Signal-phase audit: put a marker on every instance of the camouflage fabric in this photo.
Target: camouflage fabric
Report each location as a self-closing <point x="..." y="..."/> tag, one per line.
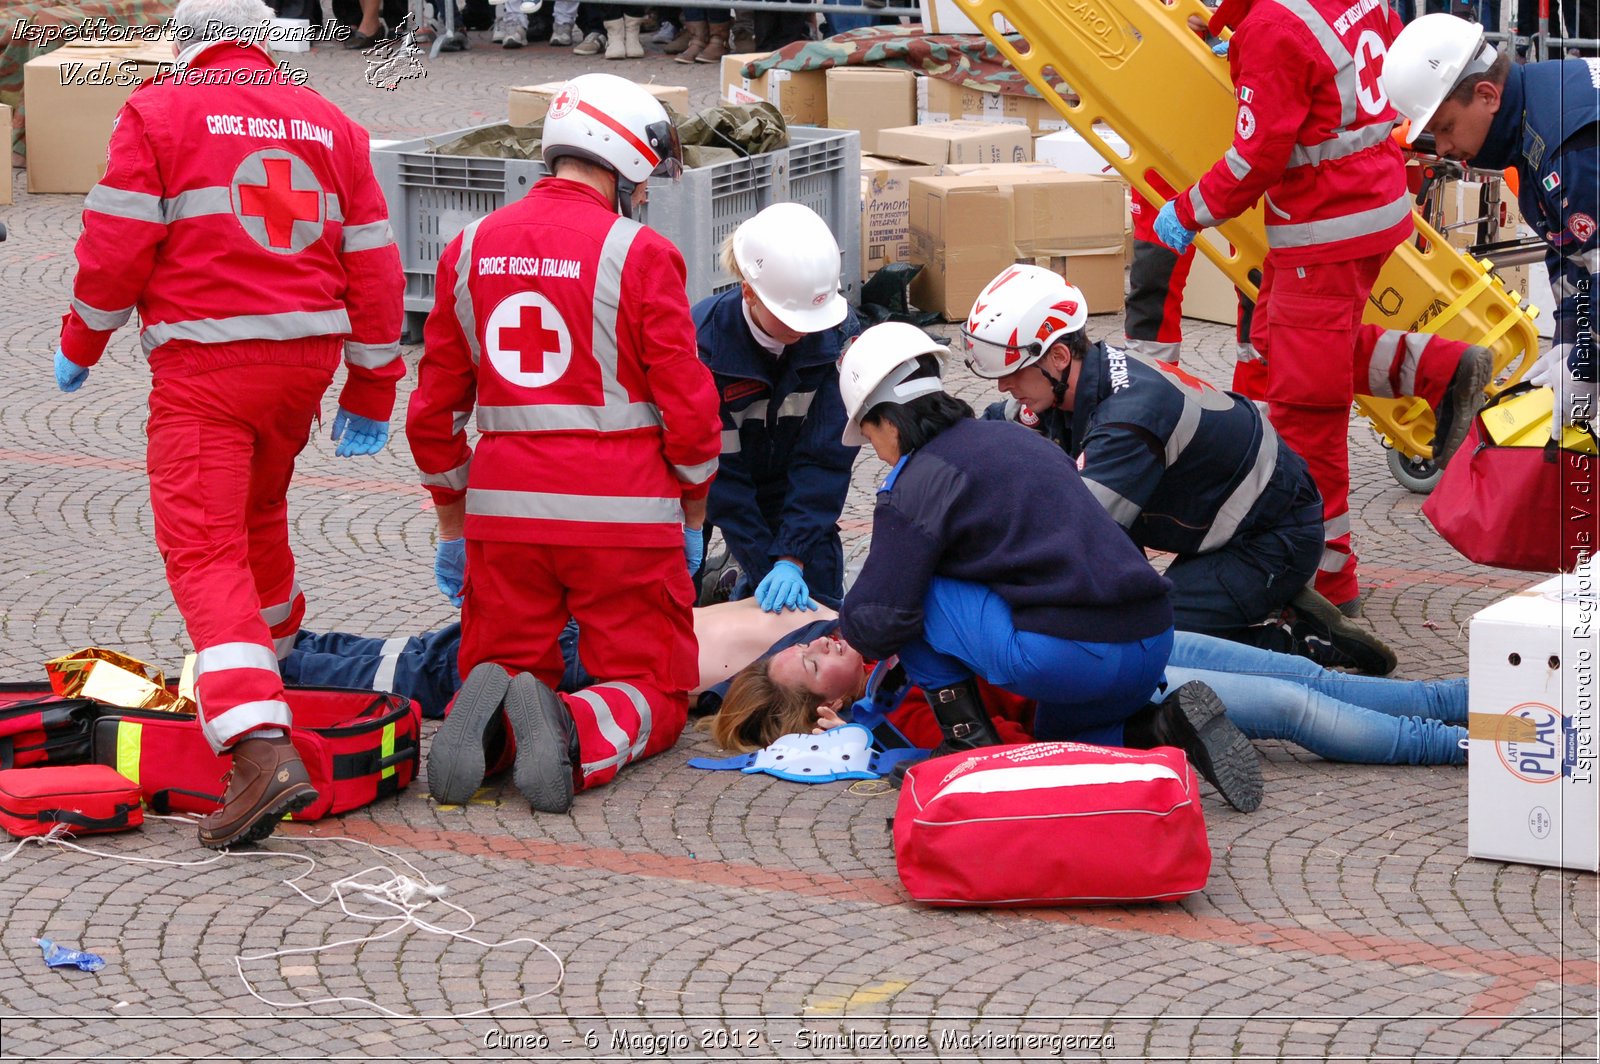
<point x="970" y="60"/>
<point x="14" y="54"/>
<point x="714" y="135"/>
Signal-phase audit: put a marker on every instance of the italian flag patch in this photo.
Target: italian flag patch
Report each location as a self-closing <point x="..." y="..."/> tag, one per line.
<point x="1551" y="182"/>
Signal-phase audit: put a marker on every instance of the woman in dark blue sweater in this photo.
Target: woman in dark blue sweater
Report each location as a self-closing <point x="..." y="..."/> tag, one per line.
<point x="990" y="558"/>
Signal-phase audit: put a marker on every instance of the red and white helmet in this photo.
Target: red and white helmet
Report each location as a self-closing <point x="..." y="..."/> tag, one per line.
<point x="612" y="122"/>
<point x="1017" y="317"/>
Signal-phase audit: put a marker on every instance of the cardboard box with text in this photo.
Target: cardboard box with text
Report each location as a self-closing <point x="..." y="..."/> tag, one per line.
<point x="939" y="100"/>
<point x="957" y="142"/>
<point x="885" y="210"/>
<point x="801" y="95"/>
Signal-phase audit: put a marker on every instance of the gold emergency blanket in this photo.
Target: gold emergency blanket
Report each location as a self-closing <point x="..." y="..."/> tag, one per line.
<point x="113" y="678"/>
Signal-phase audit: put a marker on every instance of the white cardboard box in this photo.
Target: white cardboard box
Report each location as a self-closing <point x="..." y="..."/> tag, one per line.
<point x="1532" y="662"/>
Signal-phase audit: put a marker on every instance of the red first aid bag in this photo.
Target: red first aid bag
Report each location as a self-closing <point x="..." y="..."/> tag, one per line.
<point x="41" y="728"/>
<point x="1051" y="824"/>
<point x="85" y="799"/>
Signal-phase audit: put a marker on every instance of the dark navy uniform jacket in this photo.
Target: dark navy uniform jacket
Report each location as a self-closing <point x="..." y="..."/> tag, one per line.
<point x="783" y="476"/>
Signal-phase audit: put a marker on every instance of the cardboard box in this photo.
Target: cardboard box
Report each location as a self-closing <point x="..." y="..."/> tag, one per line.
<point x="5" y="161"/>
<point x="869" y="99"/>
<point x="1099" y="273"/>
<point x="961" y="234"/>
<point x="939" y="100"/>
<point x="1067" y="150"/>
<point x="1209" y="295"/>
<point x="526" y="104"/>
<point x="957" y="142"/>
<point x="71" y="96"/>
<point x="1531" y="794"/>
<point x="885" y="210"/>
<point x="943" y="16"/>
<point x="802" y="95"/>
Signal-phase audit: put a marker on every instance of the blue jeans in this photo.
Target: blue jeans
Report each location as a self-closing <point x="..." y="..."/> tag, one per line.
<point x="1085" y="691"/>
<point x="1361" y="719"/>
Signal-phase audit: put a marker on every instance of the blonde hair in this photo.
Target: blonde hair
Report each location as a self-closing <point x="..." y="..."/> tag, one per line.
<point x="757" y="711"/>
<point x="730" y="263"/>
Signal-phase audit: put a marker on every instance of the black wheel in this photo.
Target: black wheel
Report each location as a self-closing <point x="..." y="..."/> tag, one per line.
<point x="1416" y="475"/>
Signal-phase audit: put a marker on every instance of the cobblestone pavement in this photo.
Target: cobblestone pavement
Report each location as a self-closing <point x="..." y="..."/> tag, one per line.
<point x="712" y="915"/>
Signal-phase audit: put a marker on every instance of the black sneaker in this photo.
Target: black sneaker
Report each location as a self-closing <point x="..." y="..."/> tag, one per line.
<point x="1462" y="400"/>
<point x="718" y="577"/>
<point x="547" y="744"/>
<point x="1193" y="719"/>
<point x="472" y="732"/>
<point x="1324" y="634"/>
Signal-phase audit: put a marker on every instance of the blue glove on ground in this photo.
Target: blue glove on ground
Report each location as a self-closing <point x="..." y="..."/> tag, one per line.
<point x="694" y="548"/>
<point x="69" y="375"/>
<point x="450" y="568"/>
<point x="1220" y="48"/>
<point x="1171" y="231"/>
<point x="784" y="588"/>
<point x="358" y="435"/>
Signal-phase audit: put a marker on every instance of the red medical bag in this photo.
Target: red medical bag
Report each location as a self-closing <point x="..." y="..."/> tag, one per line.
<point x="85" y="799"/>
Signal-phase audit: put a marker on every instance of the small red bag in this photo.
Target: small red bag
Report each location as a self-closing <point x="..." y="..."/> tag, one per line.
<point x="1051" y="824"/>
<point x="85" y="799"/>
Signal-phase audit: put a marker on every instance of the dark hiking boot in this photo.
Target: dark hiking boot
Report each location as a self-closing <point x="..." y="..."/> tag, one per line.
<point x="547" y="744"/>
<point x="267" y="782"/>
<point x="1192" y="718"/>
<point x="471" y="737"/>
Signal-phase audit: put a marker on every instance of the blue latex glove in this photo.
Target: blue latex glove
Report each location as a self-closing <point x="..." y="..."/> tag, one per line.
<point x="69" y="375"/>
<point x="784" y="588"/>
<point x="1220" y="48"/>
<point x="1171" y="231"/>
<point x="694" y="548"/>
<point x="358" y="435"/>
<point x="450" y="568"/>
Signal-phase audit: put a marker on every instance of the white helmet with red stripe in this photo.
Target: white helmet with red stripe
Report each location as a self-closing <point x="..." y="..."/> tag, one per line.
<point x="1017" y="317"/>
<point x="613" y="122"/>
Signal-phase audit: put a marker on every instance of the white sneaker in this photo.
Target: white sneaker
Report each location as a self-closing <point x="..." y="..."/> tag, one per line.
<point x="593" y="44"/>
<point x="664" y="34"/>
<point x="565" y="35"/>
<point x="510" y="26"/>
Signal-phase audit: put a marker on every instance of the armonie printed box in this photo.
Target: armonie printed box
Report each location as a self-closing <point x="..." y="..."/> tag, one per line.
<point x="1531" y="794"/>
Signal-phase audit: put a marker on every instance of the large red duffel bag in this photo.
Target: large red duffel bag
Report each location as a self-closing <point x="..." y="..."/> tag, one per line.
<point x="358" y="746"/>
<point x="38" y="727"/>
<point x="1051" y="824"/>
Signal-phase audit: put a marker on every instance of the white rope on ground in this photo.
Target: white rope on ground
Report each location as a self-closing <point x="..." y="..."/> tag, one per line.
<point x="400" y="899"/>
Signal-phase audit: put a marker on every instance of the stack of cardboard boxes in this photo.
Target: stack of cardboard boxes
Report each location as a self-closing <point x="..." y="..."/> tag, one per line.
<point x="70" y="98"/>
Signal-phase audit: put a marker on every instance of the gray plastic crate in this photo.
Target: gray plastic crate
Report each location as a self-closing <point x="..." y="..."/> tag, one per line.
<point x="433" y="197"/>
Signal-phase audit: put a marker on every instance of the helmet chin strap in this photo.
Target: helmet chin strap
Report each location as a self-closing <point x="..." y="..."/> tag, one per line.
<point x="1058" y="385"/>
<point x="624" y="202"/>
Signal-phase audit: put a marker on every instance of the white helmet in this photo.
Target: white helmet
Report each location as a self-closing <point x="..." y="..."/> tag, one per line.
<point x="613" y="122"/>
<point x="791" y="259"/>
<point x="874" y="368"/>
<point x="1016" y="318"/>
<point x="1427" y="61"/>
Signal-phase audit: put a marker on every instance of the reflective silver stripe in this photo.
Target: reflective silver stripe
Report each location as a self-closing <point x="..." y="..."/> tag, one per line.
<point x="1383" y="354"/>
<point x="197" y="203"/>
<point x="221" y="730"/>
<point x="284" y="644"/>
<point x="370" y="356"/>
<point x="1123" y="511"/>
<point x="1202" y="213"/>
<point x="1561" y="288"/>
<point x="334" y="209"/>
<point x="1344" y="142"/>
<point x="1183" y="432"/>
<point x="1329" y="230"/>
<point x="383" y="679"/>
<point x="1155" y="349"/>
<point x="121" y="203"/>
<point x="459" y="422"/>
<point x="696" y="474"/>
<point x="101" y="320"/>
<point x="1333" y="561"/>
<point x="730" y="441"/>
<point x="234" y="656"/>
<point x="292" y="325"/>
<point x="551" y="506"/>
<point x="1236" y="507"/>
<point x="757" y="410"/>
<point x="275" y="615"/>
<point x="1238" y="165"/>
<point x="1246" y="353"/>
<point x="453" y="479"/>
<point x="1415" y="343"/>
<point x="366" y="237"/>
<point x="607" y="301"/>
<point x="606" y="721"/>
<point x="464" y="311"/>
<point x="796" y="404"/>
<point x="1589" y="260"/>
<point x="550" y="418"/>
<point x="1334" y="527"/>
<point x="1344" y="64"/>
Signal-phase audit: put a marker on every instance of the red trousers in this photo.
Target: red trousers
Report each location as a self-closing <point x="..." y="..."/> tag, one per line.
<point x="1319" y="357"/>
<point x="221" y="452"/>
<point x="633" y="606"/>
<point x="1157" y="276"/>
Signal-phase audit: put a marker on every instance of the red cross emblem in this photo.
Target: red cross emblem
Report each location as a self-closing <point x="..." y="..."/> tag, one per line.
<point x="278" y="203"/>
<point x="1369" y="66"/>
<point x="564" y="102"/>
<point x="530" y="340"/>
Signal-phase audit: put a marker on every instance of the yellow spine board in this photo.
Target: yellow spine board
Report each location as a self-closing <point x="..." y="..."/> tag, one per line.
<point x="1124" y="59"/>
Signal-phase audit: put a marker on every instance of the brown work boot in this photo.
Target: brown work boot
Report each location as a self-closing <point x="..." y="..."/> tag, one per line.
<point x="716" y="46"/>
<point x="266" y="783"/>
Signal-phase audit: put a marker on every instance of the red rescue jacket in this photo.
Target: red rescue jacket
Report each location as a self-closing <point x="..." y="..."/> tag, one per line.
<point x="568" y="327"/>
<point x="240" y="217"/>
<point x="1311" y="133"/>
